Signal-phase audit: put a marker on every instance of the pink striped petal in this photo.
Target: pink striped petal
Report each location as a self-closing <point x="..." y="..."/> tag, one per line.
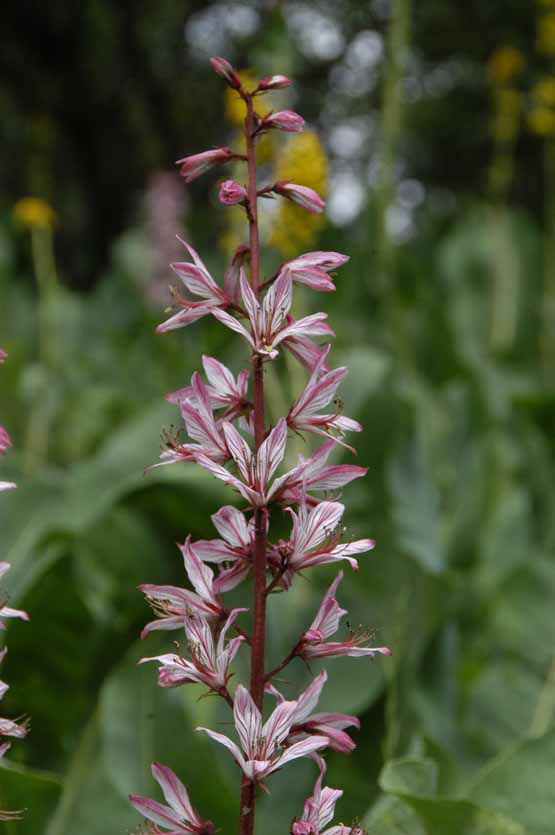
<point x="248" y="721"/>
<point x="174" y="792"/>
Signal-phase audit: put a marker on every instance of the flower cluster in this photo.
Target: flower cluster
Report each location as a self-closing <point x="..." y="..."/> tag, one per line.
<point x="8" y="728"/>
<point x="226" y="434"/>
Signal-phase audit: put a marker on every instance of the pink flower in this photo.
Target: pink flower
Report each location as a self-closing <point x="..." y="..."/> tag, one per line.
<point x="224" y="69"/>
<point x="305" y="722"/>
<point x="3" y="356"/>
<point x="303" y="349"/>
<point x="315" y="540"/>
<point x="235" y="547"/>
<point x="285" y="120"/>
<point x="315" y="473"/>
<point x="325" y="624"/>
<point x="232" y="193"/>
<point x="199" y="282"/>
<point x="319" y="810"/>
<point x="274" y="82"/>
<point x="6" y="611"/>
<point x="201" y="426"/>
<point x="195" y="165"/>
<point x="268" y="319"/>
<point x="312" y="269"/>
<point x="210" y="659"/>
<point x="173" y="605"/>
<point x="255" y="470"/>
<point x="261" y="744"/>
<point x="15" y="730"/>
<point x="5" y="440"/>
<point x="224" y="391"/>
<point x="319" y="390"/>
<point x="178" y="816"/>
<point x="303" y="195"/>
<point x="7" y="485"/>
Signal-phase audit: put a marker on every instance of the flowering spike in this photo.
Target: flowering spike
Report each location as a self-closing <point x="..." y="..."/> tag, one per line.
<point x="229" y="435"/>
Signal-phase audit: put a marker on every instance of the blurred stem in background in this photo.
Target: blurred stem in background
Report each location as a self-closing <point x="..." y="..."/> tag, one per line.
<point x="542" y="121"/>
<point x="548" y="297"/>
<point x="397" y="51"/>
<point x="504" y="67"/>
<point x="39" y="217"/>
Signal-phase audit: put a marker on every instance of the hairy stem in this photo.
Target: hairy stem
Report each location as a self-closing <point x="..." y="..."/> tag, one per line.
<point x="248" y="792"/>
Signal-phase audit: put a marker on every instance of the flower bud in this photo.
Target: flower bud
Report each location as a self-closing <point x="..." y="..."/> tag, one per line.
<point x="5" y="442"/>
<point x="303" y="195"/>
<point x="224" y="69"/>
<point x="274" y="82"/>
<point x="195" y="165"/>
<point x="286" y="120"/>
<point x="232" y="193"/>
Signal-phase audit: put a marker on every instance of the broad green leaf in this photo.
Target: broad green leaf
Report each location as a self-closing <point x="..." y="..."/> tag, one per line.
<point x="520" y="783"/>
<point x="414" y="782"/>
<point x="410" y="776"/>
<point x="415" y="509"/>
<point x="34" y="791"/>
<point x="89" y="803"/>
<point x="141" y="723"/>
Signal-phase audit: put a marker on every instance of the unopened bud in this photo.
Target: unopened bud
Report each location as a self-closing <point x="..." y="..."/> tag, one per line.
<point x="302" y="195"/>
<point x="195" y="165"/>
<point x="5" y="441"/>
<point x="274" y="82"/>
<point x="286" y="120"/>
<point x="232" y="193"/>
<point x="224" y="69"/>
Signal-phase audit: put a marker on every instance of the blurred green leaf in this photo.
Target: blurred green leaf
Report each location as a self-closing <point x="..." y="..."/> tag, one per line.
<point x="34" y="791"/>
<point x="520" y="783"/>
<point x="415" y="508"/>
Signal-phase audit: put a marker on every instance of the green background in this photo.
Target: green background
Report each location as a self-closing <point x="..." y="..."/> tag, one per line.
<point x="444" y="316"/>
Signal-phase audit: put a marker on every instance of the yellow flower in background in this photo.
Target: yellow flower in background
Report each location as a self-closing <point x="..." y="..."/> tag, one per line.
<point x="505" y="64"/>
<point x="235" y="107"/>
<point x="544" y="91"/>
<point x="508" y="103"/>
<point x="541" y="118"/>
<point x="545" y="38"/>
<point x="304" y="161"/>
<point x="34" y="212"/>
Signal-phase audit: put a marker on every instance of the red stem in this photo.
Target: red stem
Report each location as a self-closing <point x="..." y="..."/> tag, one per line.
<point x="288" y="658"/>
<point x="248" y="789"/>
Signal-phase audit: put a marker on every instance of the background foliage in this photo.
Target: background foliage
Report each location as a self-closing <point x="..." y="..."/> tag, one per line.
<point x="441" y="189"/>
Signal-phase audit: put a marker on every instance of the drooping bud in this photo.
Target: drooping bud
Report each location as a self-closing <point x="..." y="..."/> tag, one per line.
<point x="286" y="120"/>
<point x="197" y="164"/>
<point x="302" y="195"/>
<point x="273" y="82"/>
<point x="232" y="193"/>
<point x="224" y="69"/>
